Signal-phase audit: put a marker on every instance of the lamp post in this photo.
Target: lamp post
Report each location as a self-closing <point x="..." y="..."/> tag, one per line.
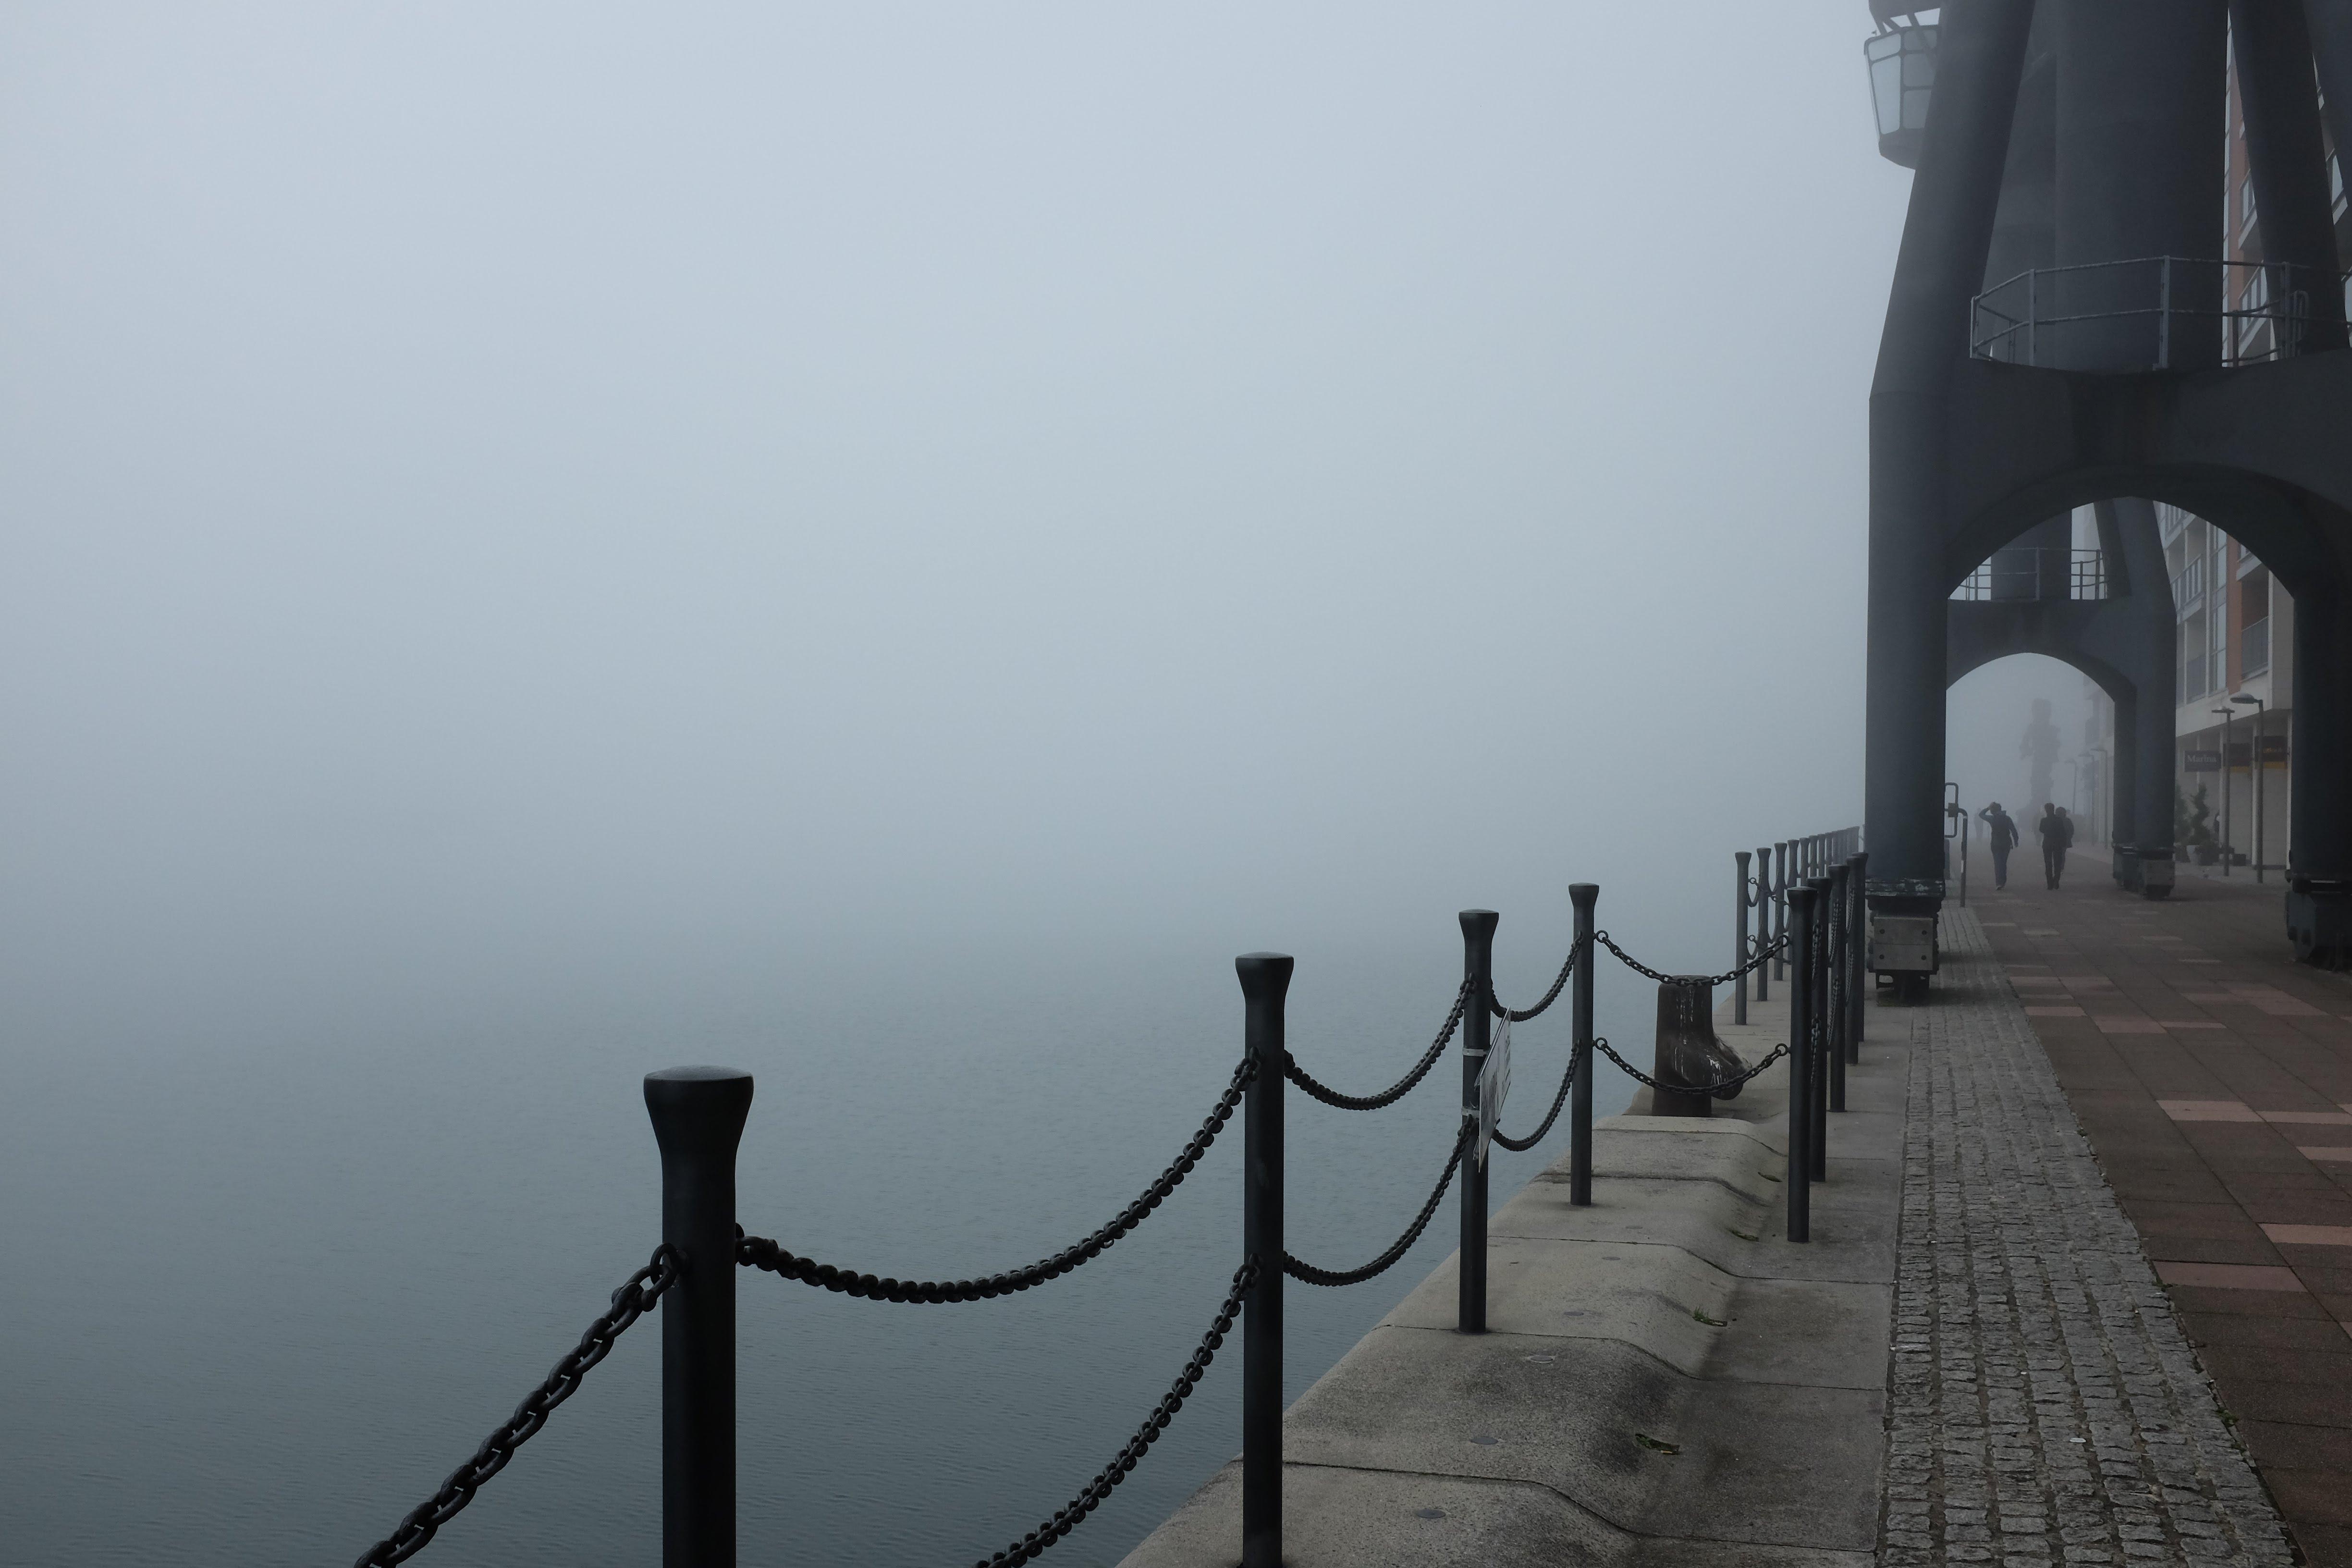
<point x="2102" y="807"/>
<point x="2254" y="772"/>
<point x="2228" y="843"/>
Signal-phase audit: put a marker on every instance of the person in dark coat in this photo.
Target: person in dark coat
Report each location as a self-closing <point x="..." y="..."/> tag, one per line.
<point x="2055" y="832"/>
<point x="2002" y="829"/>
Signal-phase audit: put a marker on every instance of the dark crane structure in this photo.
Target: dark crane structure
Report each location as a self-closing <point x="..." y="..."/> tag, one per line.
<point x="2060" y="335"/>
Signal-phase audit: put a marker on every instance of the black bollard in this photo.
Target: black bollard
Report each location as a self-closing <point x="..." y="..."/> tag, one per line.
<point x="1817" y="1012"/>
<point x="1780" y="908"/>
<point x="1477" y="1034"/>
<point x="1265" y="981"/>
<point x="697" y="1115"/>
<point x="1583" y="896"/>
<point x="1739" y="942"/>
<point x="1836" y="1036"/>
<point x="1687" y="1052"/>
<point x="1801" y="1083"/>
<point x="1763" y="902"/>
<point x="1857" y="948"/>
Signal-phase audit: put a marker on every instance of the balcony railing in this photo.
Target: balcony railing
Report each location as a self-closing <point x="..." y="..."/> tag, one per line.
<point x="2254" y="646"/>
<point x="2189" y="584"/>
<point x="2024" y="573"/>
<point x="2158" y="312"/>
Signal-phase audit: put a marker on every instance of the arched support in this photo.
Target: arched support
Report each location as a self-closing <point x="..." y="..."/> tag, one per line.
<point x="1967" y="454"/>
<point x="1939" y="268"/>
<point x="2125" y="644"/>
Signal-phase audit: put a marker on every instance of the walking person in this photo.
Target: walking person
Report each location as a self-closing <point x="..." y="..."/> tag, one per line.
<point x="2055" y="832"/>
<point x="2003" y="836"/>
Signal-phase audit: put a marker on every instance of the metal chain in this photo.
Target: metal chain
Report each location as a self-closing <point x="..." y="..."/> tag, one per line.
<point x="1306" y="1273"/>
<point x="1395" y="1092"/>
<point x="1522" y="1145"/>
<point x="759" y="1252"/>
<point x="1725" y="978"/>
<point x="1070" y="1515"/>
<point x="1520" y="1016"/>
<point x="1638" y="1076"/>
<point x="631" y="1301"/>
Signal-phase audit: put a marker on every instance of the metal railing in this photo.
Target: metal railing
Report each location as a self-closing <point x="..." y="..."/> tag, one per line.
<point x="1808" y="895"/>
<point x="2151" y="312"/>
<point x="699" y="1116"/>
<point x="2026" y="572"/>
<point x="2254" y="646"/>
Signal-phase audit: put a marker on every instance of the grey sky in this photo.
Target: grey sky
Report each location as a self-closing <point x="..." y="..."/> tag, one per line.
<point x="556" y="473"/>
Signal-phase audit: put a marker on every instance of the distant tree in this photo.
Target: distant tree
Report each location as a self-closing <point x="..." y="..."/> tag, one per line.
<point x="2192" y="819"/>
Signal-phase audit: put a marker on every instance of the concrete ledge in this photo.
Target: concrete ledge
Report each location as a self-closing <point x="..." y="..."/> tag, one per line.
<point x="1665" y="1378"/>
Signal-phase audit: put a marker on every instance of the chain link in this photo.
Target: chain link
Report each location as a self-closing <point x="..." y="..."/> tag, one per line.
<point x="760" y="1252"/>
<point x="1520" y="1016"/>
<point x="1090" y="1497"/>
<point x="1725" y="978"/>
<point x="631" y="1301"/>
<point x="1522" y="1145"/>
<point x="1306" y="1273"/>
<point x="1395" y="1092"/>
<point x="1638" y="1076"/>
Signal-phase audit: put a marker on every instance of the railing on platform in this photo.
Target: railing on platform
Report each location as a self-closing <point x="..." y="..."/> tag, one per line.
<point x="699" y="1116"/>
<point x="2148" y="314"/>
<point x="1806" y="896"/>
<point x="2023" y="573"/>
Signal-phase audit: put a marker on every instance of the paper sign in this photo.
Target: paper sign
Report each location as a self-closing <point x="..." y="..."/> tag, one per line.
<point x="1493" y="1083"/>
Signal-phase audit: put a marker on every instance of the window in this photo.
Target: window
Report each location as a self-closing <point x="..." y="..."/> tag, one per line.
<point x="2245" y="209"/>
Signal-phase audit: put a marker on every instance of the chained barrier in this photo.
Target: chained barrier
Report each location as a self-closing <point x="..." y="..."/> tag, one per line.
<point x="699" y="1115"/>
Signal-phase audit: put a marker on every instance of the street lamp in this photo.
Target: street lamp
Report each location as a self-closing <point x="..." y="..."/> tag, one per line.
<point x="2254" y="772"/>
<point x="2228" y="843"/>
<point x="2102" y="814"/>
<point x="1902" y="61"/>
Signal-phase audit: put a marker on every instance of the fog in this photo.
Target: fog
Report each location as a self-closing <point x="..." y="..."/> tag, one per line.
<point x="532" y="495"/>
<point x="1990" y="750"/>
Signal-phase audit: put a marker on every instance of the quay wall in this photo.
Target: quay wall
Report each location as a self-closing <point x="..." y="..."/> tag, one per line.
<point x="1666" y="1379"/>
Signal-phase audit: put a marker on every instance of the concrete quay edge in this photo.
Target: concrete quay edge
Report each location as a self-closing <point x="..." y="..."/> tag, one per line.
<point x="1665" y="1378"/>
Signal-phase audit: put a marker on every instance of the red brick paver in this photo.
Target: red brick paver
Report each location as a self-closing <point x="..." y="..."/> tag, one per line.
<point x="2213" y="1077"/>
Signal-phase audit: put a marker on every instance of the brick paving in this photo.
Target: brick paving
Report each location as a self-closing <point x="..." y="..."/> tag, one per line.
<point x="2212" y="1077"/>
<point x="2045" y="1404"/>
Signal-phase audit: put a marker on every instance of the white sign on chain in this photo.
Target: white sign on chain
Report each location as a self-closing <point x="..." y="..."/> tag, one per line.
<point x="1493" y="1083"/>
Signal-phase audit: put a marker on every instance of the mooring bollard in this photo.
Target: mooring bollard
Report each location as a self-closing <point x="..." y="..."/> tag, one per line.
<point x="1817" y="1137"/>
<point x="697" y="1115"/>
<point x="1781" y="908"/>
<point x="1739" y="942"/>
<point x="1857" y="948"/>
<point x="1583" y="896"/>
<point x="1800" y="1077"/>
<point x="1836" y="1039"/>
<point x="1265" y="981"/>
<point x="1688" y="1051"/>
<point x="1478" y="1036"/>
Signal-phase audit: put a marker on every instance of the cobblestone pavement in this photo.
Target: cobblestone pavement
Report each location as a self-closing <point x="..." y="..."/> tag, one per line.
<point x="2044" y="1405"/>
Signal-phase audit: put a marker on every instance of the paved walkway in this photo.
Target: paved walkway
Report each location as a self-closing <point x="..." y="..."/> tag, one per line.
<point x="2212" y="1077"/>
<point x="2044" y="1405"/>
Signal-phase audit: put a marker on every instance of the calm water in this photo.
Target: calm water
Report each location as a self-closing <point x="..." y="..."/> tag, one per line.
<point x="274" y="1267"/>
